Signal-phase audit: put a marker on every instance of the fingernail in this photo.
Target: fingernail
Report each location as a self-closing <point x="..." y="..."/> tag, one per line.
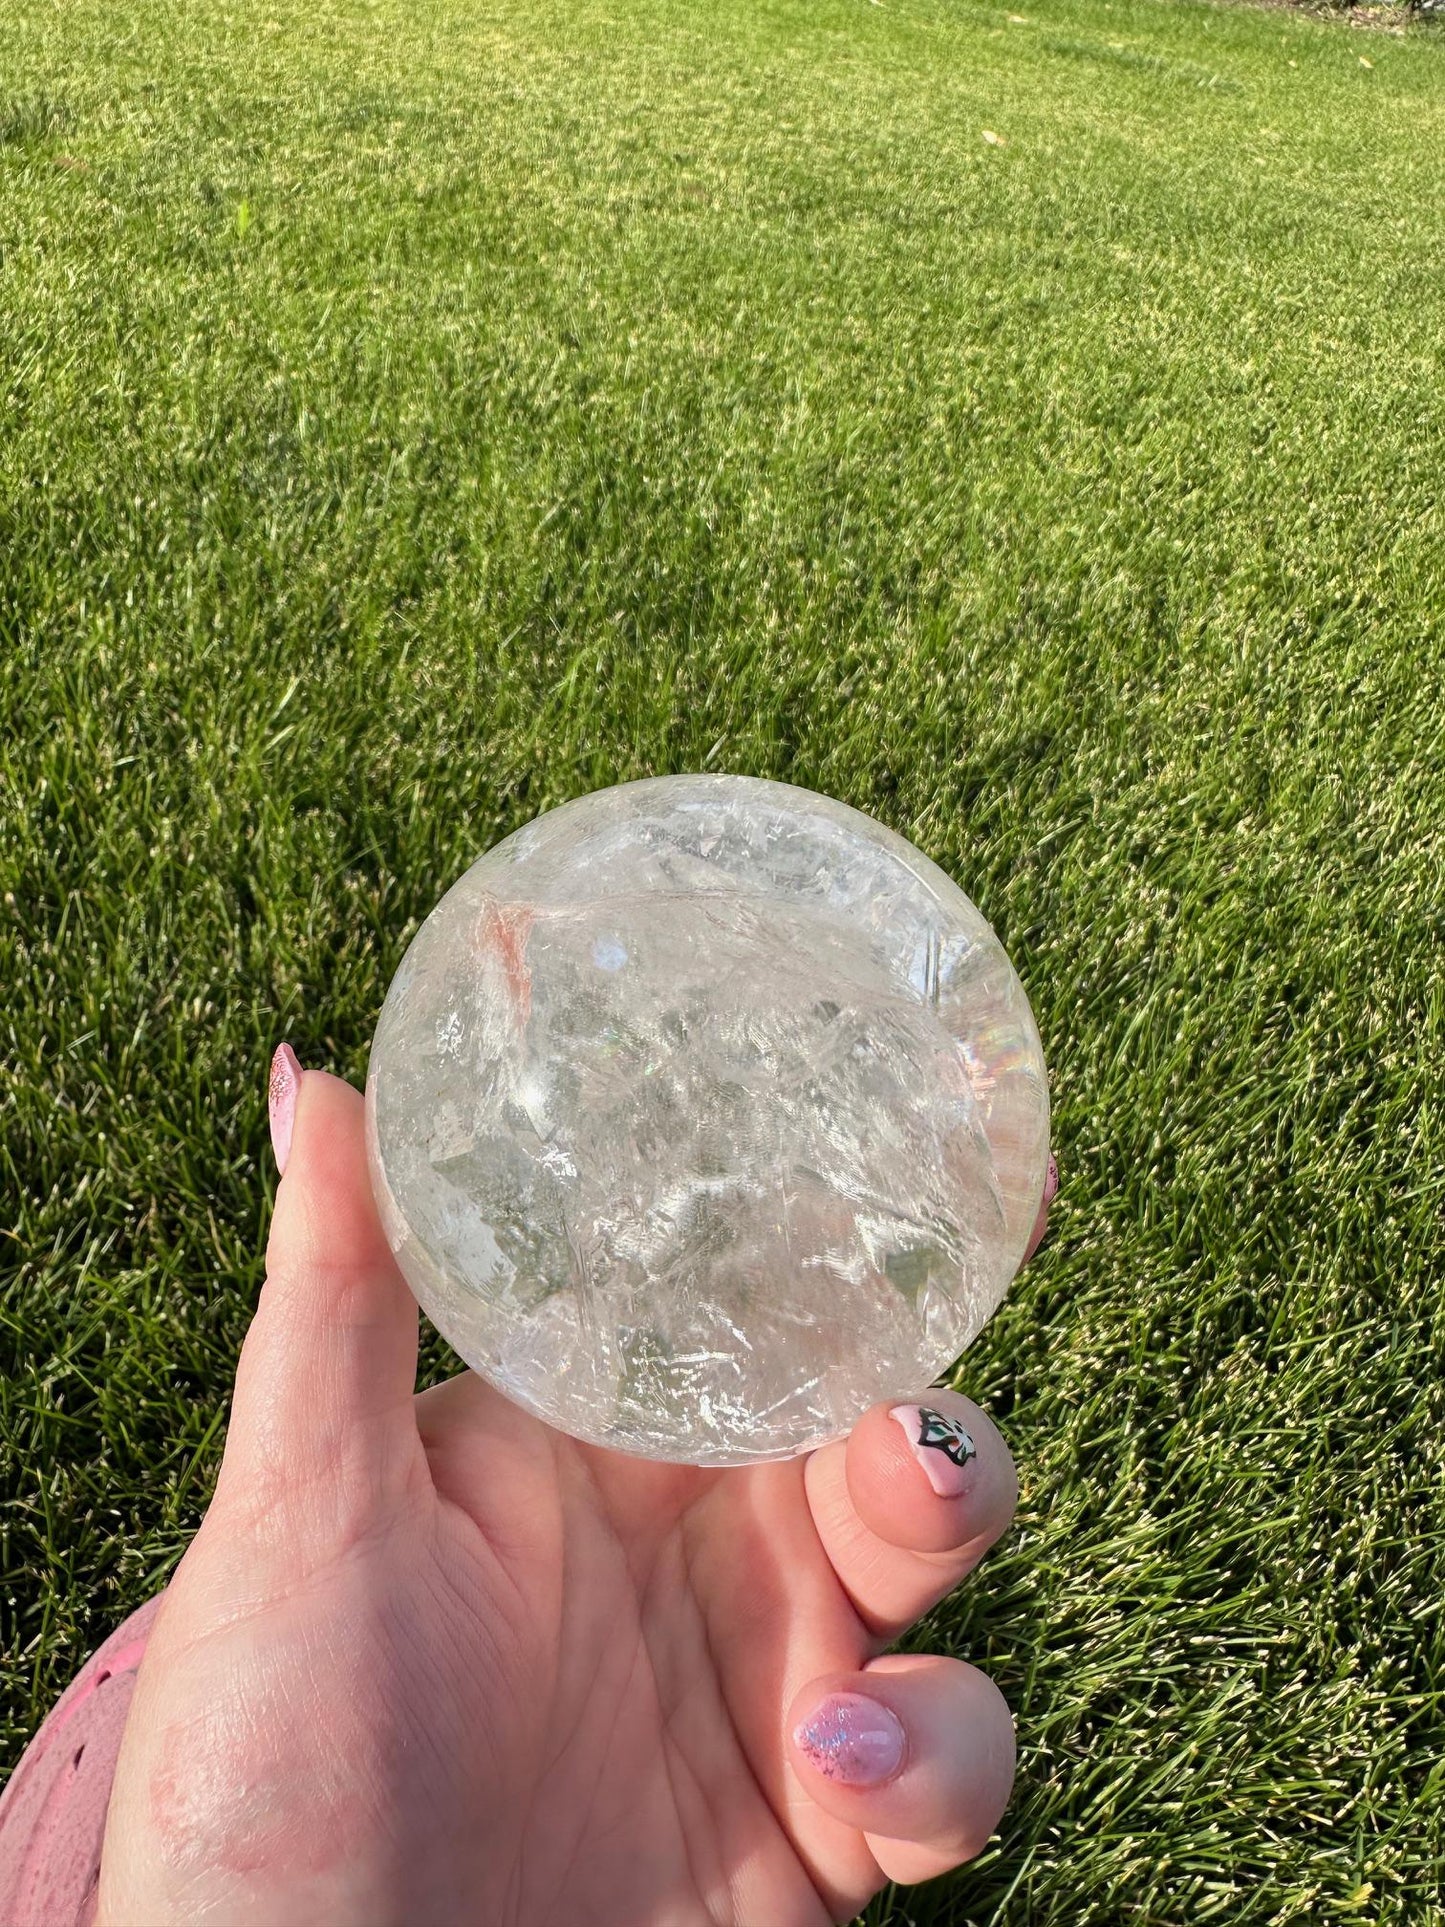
<point x="941" y="1446"/>
<point x="853" y="1740"/>
<point x="1051" y="1182"/>
<point x="285" y="1086"/>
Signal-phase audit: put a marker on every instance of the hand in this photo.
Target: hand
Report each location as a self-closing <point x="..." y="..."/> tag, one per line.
<point x="429" y="1662"/>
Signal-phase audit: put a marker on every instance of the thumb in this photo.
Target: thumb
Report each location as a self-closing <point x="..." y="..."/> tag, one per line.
<point x="325" y="1381"/>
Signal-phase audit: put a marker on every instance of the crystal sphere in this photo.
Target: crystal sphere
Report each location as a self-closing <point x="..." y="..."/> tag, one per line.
<point x="702" y="1113"/>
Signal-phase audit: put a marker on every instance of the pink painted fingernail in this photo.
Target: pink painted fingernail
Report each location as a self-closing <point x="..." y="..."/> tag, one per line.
<point x="853" y="1740"/>
<point x="1051" y="1182"/>
<point x="285" y="1087"/>
<point x="941" y="1446"/>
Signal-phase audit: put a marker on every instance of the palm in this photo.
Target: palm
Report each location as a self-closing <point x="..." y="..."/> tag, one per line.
<point x="663" y="1616"/>
<point x="428" y="1660"/>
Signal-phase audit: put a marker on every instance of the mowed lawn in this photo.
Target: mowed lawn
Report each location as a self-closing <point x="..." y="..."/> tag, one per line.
<point x="1029" y="427"/>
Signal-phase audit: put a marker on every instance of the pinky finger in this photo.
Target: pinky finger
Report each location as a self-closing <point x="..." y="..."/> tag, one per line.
<point x="916" y="1752"/>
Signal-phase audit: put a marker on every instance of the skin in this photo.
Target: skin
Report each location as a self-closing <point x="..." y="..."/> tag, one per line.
<point x="428" y="1661"/>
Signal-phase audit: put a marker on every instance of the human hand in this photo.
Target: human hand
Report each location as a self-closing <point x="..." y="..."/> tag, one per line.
<point x="428" y="1661"/>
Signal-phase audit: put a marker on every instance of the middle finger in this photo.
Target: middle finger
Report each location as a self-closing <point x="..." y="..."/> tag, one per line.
<point x="909" y="1503"/>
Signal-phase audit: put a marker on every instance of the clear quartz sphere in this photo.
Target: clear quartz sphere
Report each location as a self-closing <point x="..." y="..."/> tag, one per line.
<point x="702" y="1113"/>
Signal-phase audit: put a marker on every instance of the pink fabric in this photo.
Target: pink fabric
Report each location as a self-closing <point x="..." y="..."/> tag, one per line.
<point x="52" y="1814"/>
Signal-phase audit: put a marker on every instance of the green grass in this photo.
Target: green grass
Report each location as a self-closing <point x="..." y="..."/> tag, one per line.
<point x="416" y="413"/>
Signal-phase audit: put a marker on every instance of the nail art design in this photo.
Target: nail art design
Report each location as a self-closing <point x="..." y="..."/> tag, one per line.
<point x="940" y="1444"/>
<point x="853" y="1740"/>
<point x="947" y="1434"/>
<point x="281" y="1101"/>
